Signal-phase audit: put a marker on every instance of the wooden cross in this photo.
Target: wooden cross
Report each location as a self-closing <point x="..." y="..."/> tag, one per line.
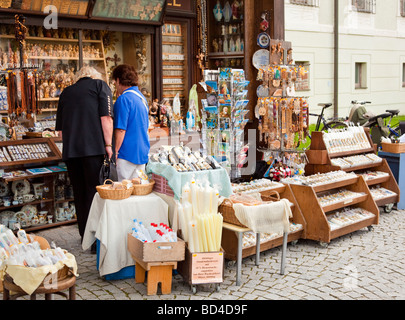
<point x="115" y="59"/>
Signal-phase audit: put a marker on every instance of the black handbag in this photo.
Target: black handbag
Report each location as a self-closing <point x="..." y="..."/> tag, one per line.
<point x="108" y="171"/>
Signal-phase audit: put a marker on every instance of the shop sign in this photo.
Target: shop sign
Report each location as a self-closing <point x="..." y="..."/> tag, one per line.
<point x="179" y="5"/>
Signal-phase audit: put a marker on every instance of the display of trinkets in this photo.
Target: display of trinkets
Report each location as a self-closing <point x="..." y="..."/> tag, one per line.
<point x="283" y="117"/>
<point x="370" y="175"/>
<point x="378" y="193"/>
<point x="320" y="178"/>
<point x="339" y="196"/>
<point x="223" y="118"/>
<point x="25" y="152"/>
<point x="249" y="238"/>
<point x="347" y="216"/>
<point x="353" y="138"/>
<point x="255" y="186"/>
<point x="357" y="160"/>
<point x="182" y="159"/>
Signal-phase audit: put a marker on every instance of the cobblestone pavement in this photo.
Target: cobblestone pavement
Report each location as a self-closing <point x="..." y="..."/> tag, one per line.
<point x="364" y="265"/>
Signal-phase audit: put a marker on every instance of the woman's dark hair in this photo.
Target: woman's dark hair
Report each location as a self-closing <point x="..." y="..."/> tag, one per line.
<point x="126" y="74"/>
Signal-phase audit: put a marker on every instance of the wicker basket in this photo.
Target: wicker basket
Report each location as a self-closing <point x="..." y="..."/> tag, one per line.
<point x="228" y="214"/>
<point x="143" y="189"/>
<point x="112" y="194"/>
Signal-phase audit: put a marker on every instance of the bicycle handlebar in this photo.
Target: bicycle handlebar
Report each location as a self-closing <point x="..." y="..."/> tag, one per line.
<point x="360" y="102"/>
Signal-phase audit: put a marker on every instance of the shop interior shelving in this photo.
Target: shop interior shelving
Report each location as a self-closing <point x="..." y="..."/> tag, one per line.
<point x="230" y="239"/>
<point x="318" y="227"/>
<point x="320" y="161"/>
<point x="49" y="203"/>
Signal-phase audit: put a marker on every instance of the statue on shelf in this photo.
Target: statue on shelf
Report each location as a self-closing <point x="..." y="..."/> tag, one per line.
<point x="235" y="9"/>
<point x="191" y="115"/>
<point x="227" y="12"/>
<point x="218" y="11"/>
<point x="154" y="111"/>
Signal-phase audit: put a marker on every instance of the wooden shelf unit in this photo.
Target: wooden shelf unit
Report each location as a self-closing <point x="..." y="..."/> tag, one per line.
<point x="320" y="161"/>
<point x="230" y="239"/>
<point x="316" y="215"/>
<point x="49" y="179"/>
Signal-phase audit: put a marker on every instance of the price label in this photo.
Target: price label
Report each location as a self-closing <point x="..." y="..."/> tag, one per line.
<point x="207" y="267"/>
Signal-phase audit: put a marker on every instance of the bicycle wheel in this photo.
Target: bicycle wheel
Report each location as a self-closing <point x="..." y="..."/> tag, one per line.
<point x="334" y="125"/>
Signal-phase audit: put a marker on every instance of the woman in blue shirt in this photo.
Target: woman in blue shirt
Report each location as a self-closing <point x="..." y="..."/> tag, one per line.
<point x="131" y="123"/>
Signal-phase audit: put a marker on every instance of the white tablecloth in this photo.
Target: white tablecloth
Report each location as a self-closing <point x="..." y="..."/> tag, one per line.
<point x="111" y="220"/>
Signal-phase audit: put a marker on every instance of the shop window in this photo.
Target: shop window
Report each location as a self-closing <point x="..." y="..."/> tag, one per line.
<point x="303" y="76"/>
<point x="133" y="49"/>
<point x="367" y="6"/>
<point x="360" y="75"/>
<point x="311" y="3"/>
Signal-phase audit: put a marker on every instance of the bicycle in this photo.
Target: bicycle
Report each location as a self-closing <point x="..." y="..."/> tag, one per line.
<point x="332" y="123"/>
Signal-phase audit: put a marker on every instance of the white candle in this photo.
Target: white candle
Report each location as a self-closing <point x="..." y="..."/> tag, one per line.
<point x="191" y="231"/>
<point x="194" y="198"/>
<point x="183" y="224"/>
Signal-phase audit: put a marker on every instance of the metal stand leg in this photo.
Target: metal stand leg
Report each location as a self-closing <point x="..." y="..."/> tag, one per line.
<point x="239" y="259"/>
<point x="257" y="248"/>
<point x="285" y="238"/>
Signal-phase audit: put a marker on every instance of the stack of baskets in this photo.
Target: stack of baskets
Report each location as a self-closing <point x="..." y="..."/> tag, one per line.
<point x="226" y="208"/>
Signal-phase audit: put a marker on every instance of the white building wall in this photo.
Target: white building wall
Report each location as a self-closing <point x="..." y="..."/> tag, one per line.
<point x="376" y="39"/>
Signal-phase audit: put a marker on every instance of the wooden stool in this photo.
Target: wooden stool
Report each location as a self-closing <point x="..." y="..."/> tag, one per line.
<point x="66" y="283"/>
<point x="157" y="272"/>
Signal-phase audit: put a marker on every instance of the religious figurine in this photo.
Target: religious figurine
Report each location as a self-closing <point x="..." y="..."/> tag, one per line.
<point x="227" y="12"/>
<point x="191" y="114"/>
<point x="218" y="11"/>
<point x="154" y="111"/>
<point x="215" y="45"/>
<point x="235" y="9"/>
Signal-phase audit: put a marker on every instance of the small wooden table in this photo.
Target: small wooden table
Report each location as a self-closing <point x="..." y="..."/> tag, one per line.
<point x="66" y="283"/>
<point x="157" y="272"/>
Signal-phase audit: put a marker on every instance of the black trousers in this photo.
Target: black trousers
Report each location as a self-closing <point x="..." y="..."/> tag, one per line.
<point x="84" y="177"/>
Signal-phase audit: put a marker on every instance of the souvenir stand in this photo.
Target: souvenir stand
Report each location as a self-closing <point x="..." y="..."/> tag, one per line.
<point x="334" y="204"/>
<point x="223" y="115"/>
<point x="353" y="151"/>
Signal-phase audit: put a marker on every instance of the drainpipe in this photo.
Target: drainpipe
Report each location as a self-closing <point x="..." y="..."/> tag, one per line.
<point x="336" y="59"/>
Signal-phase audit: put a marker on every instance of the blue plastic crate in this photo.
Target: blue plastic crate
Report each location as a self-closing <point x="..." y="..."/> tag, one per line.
<point x="125" y="273"/>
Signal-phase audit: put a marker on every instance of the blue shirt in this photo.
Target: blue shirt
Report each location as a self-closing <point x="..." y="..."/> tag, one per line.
<point x="132" y="115"/>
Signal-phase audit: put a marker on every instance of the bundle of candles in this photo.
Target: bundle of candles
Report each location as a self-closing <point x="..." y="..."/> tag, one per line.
<point x="153" y="232"/>
<point x="20" y="251"/>
<point x="200" y="222"/>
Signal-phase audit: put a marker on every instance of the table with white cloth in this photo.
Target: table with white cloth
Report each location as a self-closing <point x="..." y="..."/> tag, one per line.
<point x="110" y="221"/>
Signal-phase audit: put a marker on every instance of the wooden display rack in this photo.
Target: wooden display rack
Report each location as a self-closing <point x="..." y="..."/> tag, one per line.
<point x="230" y="238"/>
<point x="318" y="227"/>
<point x="320" y="161"/>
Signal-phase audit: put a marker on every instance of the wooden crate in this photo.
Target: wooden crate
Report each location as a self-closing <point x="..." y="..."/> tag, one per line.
<point x="393" y="147"/>
<point x="156" y="252"/>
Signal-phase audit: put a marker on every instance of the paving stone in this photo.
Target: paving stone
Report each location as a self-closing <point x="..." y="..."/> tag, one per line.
<point x="365" y="265"/>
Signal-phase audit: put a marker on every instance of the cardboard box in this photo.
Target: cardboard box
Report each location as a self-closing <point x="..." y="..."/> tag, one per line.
<point x="393" y="147"/>
<point x="156" y="252"/>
